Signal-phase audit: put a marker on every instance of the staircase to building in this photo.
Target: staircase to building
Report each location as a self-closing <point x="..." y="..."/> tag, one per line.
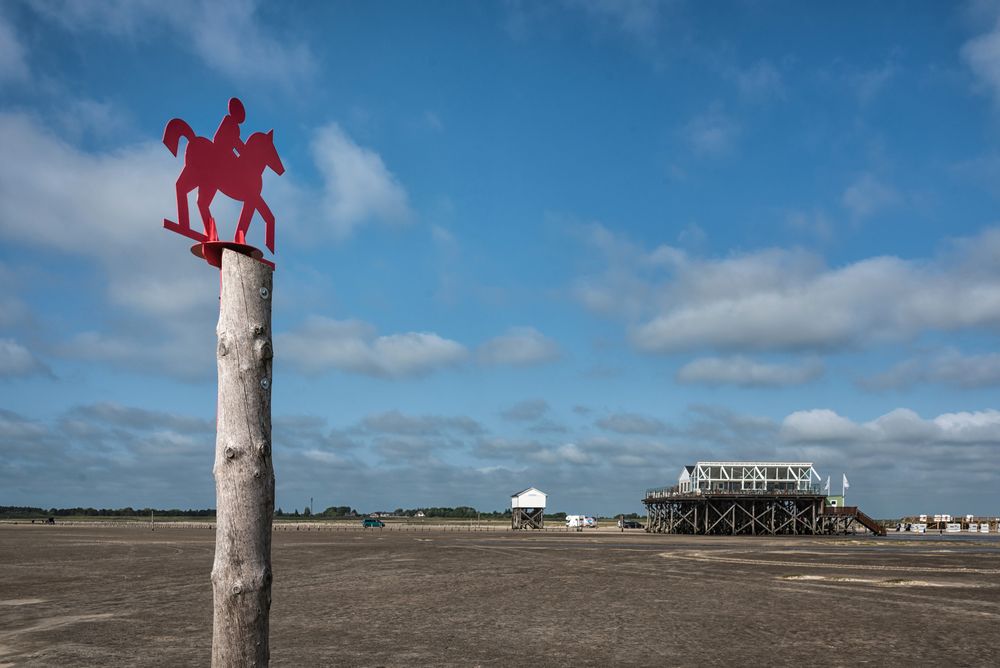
<point x="855" y="512"/>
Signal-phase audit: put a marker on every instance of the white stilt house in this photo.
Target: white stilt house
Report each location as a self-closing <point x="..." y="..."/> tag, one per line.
<point x="527" y="509"/>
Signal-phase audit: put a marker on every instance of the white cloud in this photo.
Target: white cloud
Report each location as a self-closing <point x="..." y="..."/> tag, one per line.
<point x="104" y="206"/>
<point x="949" y="367"/>
<point x="867" y="196"/>
<point x="746" y="372"/>
<point x="519" y="346"/>
<point x="711" y="134"/>
<point x="18" y="361"/>
<point x="357" y="185"/>
<point x="351" y="345"/>
<point x="788" y="300"/>
<point x="982" y="54"/>
<point x="902" y="427"/>
<point x="901" y="460"/>
<point x="819" y="425"/>
<point x="13" y="64"/>
<point x="227" y="35"/>
<point x="230" y="38"/>
<point x="107" y="207"/>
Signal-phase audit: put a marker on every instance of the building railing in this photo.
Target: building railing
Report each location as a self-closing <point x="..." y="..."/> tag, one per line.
<point x="675" y="490"/>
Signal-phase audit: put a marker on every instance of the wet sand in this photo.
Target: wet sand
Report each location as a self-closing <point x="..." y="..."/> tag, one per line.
<point x="79" y="595"/>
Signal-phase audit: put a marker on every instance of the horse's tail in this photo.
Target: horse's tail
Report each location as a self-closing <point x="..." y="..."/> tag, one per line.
<point x="172" y="134"/>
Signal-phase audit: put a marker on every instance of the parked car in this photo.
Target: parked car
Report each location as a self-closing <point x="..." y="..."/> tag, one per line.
<point x="629" y="524"/>
<point x="372" y="523"/>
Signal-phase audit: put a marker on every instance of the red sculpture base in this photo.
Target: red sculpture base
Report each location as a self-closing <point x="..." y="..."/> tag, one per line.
<point x="211" y="252"/>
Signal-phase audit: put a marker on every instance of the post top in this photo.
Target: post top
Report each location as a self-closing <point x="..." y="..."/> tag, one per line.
<point x="211" y="252"/>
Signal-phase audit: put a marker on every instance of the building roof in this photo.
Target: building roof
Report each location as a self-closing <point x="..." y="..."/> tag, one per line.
<point x="525" y="491"/>
<point x="757" y="463"/>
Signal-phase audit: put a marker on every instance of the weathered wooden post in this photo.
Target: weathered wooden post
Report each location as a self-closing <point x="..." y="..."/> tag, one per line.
<point x="244" y="475"/>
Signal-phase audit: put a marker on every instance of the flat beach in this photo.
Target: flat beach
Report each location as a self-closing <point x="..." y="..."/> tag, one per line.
<point x="85" y="595"/>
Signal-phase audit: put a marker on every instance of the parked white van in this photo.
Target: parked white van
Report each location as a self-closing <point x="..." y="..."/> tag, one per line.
<point x="580" y="521"/>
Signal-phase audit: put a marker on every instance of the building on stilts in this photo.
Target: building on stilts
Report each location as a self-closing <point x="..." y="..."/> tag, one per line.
<point x="527" y="509"/>
<point x="751" y="498"/>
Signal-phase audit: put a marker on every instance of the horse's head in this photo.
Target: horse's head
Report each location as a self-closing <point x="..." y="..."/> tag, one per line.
<point x="262" y="145"/>
<point x="273" y="161"/>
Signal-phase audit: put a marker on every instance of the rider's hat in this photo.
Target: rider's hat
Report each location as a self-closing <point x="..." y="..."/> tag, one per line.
<point x="236" y="110"/>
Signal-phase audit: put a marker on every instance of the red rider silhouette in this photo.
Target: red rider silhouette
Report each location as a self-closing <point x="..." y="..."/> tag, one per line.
<point x="227" y="137"/>
<point x="224" y="164"/>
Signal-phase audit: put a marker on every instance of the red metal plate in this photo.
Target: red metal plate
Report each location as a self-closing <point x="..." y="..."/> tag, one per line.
<point x="211" y="252"/>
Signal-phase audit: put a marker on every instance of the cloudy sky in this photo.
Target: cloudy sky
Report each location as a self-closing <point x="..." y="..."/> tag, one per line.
<point x="571" y="245"/>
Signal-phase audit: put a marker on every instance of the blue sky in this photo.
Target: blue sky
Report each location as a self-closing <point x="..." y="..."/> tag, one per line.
<point x="570" y="245"/>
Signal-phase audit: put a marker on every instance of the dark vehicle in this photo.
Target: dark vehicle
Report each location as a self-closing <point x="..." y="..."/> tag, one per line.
<point x="372" y="523"/>
<point x="629" y="524"/>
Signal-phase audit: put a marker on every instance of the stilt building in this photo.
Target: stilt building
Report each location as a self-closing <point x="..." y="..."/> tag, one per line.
<point x="750" y="498"/>
<point x="528" y="509"/>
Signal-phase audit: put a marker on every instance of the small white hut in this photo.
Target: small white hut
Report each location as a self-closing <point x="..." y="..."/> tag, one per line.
<point x="527" y="509"/>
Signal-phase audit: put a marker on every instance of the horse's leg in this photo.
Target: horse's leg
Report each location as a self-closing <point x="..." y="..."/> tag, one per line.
<point x="205" y="197"/>
<point x="184" y="186"/>
<point x="246" y="215"/>
<point x="268" y="217"/>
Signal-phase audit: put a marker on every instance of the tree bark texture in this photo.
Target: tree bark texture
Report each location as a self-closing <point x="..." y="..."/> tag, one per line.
<point x="244" y="475"/>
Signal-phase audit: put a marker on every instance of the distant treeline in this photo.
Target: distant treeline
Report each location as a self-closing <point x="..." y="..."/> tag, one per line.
<point x="332" y="511"/>
<point x="461" y="512"/>
<point x="29" y="512"/>
<point x="467" y="512"/>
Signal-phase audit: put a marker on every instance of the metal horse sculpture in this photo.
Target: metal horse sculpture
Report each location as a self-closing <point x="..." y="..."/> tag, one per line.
<point x="212" y="167"/>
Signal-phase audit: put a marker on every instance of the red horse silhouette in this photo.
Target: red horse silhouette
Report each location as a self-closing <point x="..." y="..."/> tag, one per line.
<point x="211" y="168"/>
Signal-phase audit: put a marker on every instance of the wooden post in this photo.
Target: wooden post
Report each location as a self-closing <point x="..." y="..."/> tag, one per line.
<point x="244" y="475"/>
